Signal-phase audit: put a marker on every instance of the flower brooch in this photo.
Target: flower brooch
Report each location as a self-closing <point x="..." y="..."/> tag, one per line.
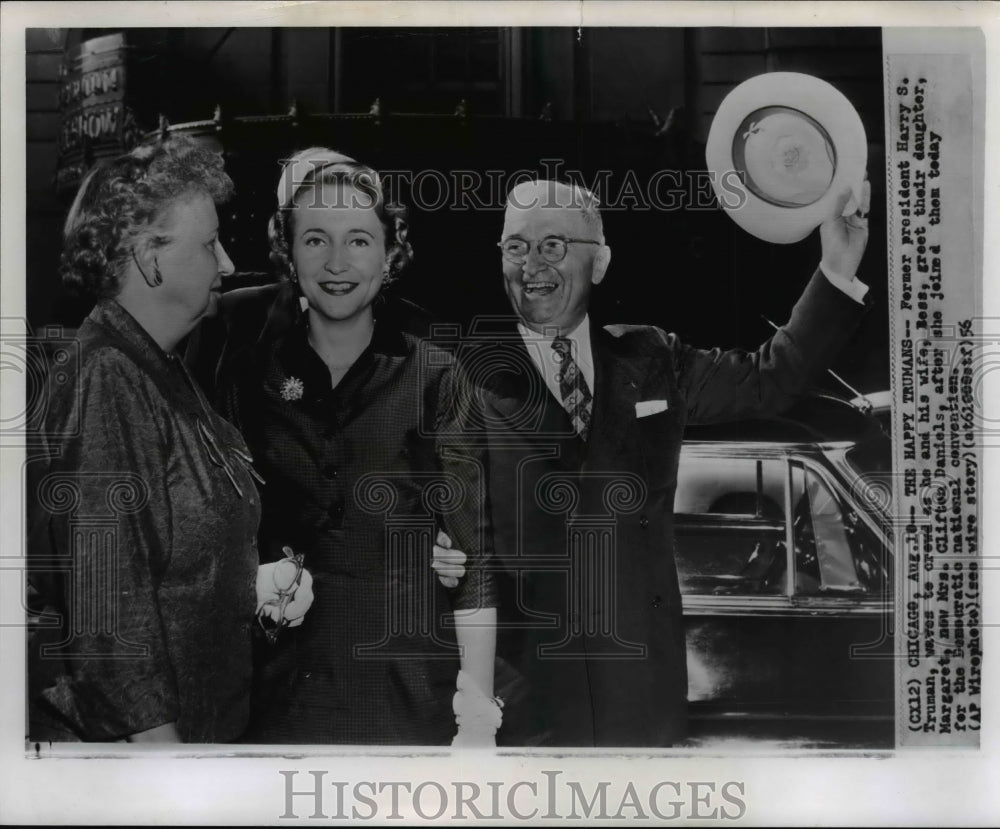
<point x="292" y="389"/>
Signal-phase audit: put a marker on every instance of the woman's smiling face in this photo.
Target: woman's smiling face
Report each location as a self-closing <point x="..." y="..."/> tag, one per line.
<point x="338" y="249"/>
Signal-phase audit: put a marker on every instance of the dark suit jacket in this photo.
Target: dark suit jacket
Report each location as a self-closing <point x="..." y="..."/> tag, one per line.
<point x="591" y="634"/>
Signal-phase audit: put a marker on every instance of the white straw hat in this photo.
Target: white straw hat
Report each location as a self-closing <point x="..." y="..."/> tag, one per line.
<point x="782" y="147"/>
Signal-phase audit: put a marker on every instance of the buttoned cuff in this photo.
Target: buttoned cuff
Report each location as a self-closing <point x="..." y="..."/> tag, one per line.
<point x="850" y="285"/>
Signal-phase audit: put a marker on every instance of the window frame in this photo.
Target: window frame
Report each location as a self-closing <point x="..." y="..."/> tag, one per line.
<point x="787" y="603"/>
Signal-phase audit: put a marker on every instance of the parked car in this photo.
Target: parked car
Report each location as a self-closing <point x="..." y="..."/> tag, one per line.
<point x="784" y="554"/>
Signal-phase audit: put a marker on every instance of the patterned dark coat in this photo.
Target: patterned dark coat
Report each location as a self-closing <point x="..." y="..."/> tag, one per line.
<point x="143" y="540"/>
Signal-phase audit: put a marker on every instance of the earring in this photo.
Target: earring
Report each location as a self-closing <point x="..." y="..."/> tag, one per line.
<point x="157" y="278"/>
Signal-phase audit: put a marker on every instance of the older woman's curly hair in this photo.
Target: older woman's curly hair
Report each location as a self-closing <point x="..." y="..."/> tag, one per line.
<point x="119" y="199"/>
<point x="343" y="171"/>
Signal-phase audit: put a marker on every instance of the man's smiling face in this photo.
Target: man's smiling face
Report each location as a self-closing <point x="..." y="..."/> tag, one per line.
<point x="550" y="295"/>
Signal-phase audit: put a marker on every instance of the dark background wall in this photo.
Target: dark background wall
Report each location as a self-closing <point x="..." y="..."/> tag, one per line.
<point x="627" y="101"/>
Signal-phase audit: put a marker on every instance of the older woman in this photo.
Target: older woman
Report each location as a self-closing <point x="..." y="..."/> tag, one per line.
<point x="359" y="427"/>
<point x="148" y="504"/>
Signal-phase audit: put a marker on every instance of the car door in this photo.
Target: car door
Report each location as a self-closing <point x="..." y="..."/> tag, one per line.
<point x="806" y="658"/>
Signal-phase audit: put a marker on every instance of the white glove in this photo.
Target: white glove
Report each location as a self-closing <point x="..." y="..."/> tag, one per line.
<point x="448" y="563"/>
<point x="284" y="592"/>
<point x="477" y="715"/>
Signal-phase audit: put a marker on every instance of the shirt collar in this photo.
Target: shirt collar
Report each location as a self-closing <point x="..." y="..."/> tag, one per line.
<point x="390" y="323"/>
<point x="167" y="370"/>
<point x="110" y="315"/>
<point x="579" y="336"/>
<point x="388" y="340"/>
<point x="387" y="337"/>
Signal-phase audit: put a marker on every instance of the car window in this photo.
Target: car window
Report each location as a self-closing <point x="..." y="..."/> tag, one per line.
<point x="730" y="526"/>
<point x="834" y="551"/>
<point x="731" y="531"/>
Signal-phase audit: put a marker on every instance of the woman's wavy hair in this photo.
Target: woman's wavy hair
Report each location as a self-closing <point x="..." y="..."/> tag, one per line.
<point x="307" y="169"/>
<point x="120" y="198"/>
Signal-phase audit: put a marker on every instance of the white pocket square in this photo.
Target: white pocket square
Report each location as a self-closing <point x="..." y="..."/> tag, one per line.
<point x="645" y="408"/>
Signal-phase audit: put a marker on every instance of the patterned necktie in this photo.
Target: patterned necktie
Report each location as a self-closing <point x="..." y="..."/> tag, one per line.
<point x="576" y="397"/>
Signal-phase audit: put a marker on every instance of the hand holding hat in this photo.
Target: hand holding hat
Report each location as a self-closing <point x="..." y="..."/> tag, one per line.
<point x="844" y="237"/>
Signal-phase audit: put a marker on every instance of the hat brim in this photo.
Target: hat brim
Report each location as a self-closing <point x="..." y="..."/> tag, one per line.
<point x="831" y="112"/>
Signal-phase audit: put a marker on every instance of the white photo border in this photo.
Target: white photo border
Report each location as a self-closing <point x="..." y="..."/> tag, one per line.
<point x="918" y="787"/>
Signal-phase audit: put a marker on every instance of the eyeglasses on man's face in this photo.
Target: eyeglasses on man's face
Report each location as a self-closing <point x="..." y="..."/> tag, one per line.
<point x="552" y="248"/>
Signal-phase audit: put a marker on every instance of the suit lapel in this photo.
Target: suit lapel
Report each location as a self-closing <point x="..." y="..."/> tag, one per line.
<point x="525" y="402"/>
<point x="618" y="382"/>
<point x="521" y="399"/>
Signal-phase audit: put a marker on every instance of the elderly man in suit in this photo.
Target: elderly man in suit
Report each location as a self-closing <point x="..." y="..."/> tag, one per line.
<point x="585" y="427"/>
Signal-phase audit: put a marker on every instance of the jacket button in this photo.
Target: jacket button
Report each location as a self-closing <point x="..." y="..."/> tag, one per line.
<point x="657" y="601"/>
<point x="643" y="522"/>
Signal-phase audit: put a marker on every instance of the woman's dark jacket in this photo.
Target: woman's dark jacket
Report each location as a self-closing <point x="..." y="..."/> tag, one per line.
<point x="358" y="478"/>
